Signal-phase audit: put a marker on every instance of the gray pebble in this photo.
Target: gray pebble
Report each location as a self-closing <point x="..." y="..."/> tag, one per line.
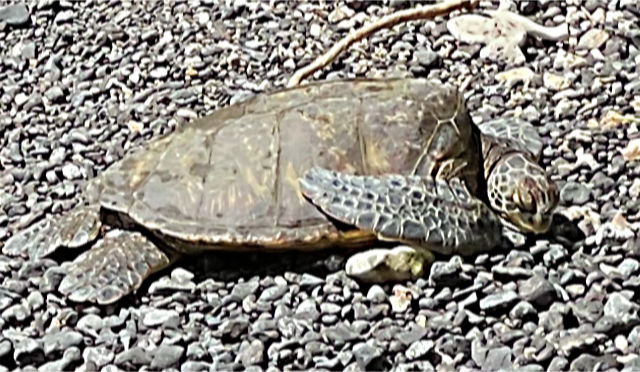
<point x="308" y="309"/>
<point x="418" y="349"/>
<point x="251" y="353"/>
<point x="28" y="352"/>
<point x="498" y="301"/>
<point x="538" y="291"/>
<point x="339" y="334"/>
<point x="90" y="324"/>
<point x="165" y="356"/>
<point x="233" y="328"/>
<point x="14" y="15"/>
<point x="376" y="294"/>
<point x="498" y="359"/>
<point x="365" y="353"/>
<point x="273" y="293"/>
<point x="573" y="193"/>
<point x="621" y="310"/>
<point x="60" y="341"/>
<point x="136" y="356"/>
<point x="165" y="318"/>
<point x="71" y="171"/>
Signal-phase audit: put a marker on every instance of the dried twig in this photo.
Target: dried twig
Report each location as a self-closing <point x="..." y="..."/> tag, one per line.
<point x="384" y="22"/>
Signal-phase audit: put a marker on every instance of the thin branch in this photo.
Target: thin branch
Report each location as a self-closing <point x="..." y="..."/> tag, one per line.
<point x="388" y="21"/>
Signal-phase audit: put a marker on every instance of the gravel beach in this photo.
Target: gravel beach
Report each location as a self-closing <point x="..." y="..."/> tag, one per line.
<point x="84" y="83"/>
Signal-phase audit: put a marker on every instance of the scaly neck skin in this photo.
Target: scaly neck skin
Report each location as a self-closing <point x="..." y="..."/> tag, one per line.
<point x="493" y="151"/>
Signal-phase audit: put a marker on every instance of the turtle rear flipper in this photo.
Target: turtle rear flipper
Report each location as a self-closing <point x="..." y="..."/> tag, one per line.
<point x="439" y="215"/>
<point x="74" y="229"/>
<point x="113" y="268"/>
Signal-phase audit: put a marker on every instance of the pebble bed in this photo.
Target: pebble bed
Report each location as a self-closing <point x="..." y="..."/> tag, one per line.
<point x="85" y="82"/>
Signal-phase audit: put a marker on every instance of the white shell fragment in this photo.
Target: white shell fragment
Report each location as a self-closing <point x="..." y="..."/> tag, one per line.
<point x="502" y="33"/>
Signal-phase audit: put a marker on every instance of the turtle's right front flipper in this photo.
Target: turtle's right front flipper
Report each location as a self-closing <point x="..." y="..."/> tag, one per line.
<point x="439" y="215"/>
<point x="73" y="229"/>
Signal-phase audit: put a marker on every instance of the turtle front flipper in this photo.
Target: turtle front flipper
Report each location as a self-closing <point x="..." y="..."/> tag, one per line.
<point x="116" y="266"/>
<point x="435" y="214"/>
<point x="522" y="134"/>
<point x="73" y="229"/>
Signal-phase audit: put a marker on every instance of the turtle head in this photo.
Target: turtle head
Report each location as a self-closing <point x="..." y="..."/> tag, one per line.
<point x="522" y="193"/>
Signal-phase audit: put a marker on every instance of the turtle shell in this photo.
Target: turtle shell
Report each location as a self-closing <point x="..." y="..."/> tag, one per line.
<point x="230" y="179"/>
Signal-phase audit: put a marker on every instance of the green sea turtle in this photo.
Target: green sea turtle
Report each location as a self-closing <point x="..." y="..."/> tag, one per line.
<point x="396" y="160"/>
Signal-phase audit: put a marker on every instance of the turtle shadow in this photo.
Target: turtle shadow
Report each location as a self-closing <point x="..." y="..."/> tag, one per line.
<point x="564" y="231"/>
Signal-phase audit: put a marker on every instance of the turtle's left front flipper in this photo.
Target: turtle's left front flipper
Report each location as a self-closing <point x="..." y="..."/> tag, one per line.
<point x="439" y="215"/>
<point x="74" y="229"/>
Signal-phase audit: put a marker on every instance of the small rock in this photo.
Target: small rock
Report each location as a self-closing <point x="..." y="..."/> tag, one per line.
<point x="498" y="359"/>
<point x="159" y="73"/>
<point x="623" y="311"/>
<point x="61" y="341"/>
<point x="136" y="356"/>
<point x="90" y="324"/>
<point x="593" y="38"/>
<point x="165" y="356"/>
<point x="273" y="293"/>
<point x="555" y="82"/>
<point x="28" y="351"/>
<point x="165" y="318"/>
<point x="419" y="349"/>
<point x="308" y="309"/>
<point x="365" y="354"/>
<point x="251" y="353"/>
<point x="574" y="193"/>
<point x="376" y="294"/>
<point x="500" y="300"/>
<point x="71" y="171"/>
<point x="14" y="15"/>
<point x="340" y="333"/>
<point x="538" y="291"/>
<point x="234" y="328"/>
<point x="401" y="299"/>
